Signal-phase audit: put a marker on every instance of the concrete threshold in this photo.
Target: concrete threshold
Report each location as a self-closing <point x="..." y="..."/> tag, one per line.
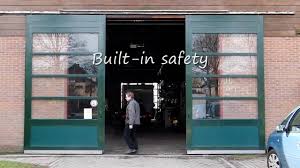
<point x="121" y="155"/>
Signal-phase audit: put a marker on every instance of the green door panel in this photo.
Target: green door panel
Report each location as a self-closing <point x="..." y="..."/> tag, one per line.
<point x="225" y="137"/>
<point x="225" y="133"/>
<point x="63" y="136"/>
<point x="53" y="133"/>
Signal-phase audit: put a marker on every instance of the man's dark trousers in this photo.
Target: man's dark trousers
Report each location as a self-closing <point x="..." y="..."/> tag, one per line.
<point x="130" y="136"/>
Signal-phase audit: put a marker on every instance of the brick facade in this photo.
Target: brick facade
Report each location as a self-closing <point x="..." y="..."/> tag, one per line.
<point x="282" y="90"/>
<point x="12" y="67"/>
<point x="282" y="87"/>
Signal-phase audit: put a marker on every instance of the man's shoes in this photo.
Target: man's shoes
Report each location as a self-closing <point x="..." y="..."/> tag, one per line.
<point x="131" y="151"/>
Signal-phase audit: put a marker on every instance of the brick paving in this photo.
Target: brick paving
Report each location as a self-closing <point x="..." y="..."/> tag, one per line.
<point x="140" y="161"/>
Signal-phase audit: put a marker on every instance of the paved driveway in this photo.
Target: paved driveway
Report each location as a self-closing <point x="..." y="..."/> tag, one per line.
<point x="140" y="161"/>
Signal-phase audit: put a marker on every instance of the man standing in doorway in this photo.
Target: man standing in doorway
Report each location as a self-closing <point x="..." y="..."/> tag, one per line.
<point x="132" y="120"/>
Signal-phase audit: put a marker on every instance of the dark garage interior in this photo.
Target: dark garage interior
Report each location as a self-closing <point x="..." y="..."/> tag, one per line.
<point x="159" y="89"/>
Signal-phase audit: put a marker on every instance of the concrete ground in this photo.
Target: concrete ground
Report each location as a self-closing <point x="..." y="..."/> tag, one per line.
<point x="151" y="141"/>
<point x="141" y="161"/>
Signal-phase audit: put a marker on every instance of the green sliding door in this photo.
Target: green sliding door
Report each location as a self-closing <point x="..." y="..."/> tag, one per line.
<point x="61" y="82"/>
<point x="225" y="88"/>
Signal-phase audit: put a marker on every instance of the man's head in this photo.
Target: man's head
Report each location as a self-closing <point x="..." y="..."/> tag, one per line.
<point x="129" y="96"/>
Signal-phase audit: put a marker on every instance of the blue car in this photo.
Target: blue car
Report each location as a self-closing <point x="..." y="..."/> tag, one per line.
<point x="284" y="143"/>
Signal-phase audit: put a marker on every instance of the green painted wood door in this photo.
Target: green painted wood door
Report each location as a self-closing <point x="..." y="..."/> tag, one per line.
<point x="225" y="88"/>
<point x="61" y="81"/>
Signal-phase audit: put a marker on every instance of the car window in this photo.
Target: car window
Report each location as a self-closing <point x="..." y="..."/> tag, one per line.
<point x="284" y="122"/>
<point x="295" y="122"/>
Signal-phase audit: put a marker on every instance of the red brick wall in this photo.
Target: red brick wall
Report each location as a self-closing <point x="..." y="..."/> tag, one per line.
<point x="282" y="89"/>
<point x="12" y="67"/>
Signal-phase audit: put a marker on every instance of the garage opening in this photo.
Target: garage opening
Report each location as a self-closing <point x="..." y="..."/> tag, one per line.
<point x="159" y="89"/>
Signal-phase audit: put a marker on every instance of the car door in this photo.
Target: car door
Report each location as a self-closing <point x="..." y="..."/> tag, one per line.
<point x="291" y="142"/>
